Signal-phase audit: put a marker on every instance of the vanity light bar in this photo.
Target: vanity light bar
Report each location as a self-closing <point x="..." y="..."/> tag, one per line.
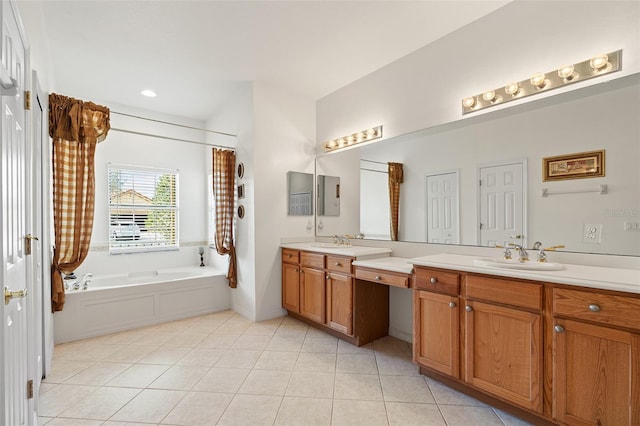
<point x="353" y="139"/>
<point x="542" y="82"/>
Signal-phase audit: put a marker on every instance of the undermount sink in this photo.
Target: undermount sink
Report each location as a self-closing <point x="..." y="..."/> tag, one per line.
<point x="331" y="245"/>
<point x="532" y="265"/>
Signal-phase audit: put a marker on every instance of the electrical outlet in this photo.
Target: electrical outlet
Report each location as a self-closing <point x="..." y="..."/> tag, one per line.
<point x="592" y="233"/>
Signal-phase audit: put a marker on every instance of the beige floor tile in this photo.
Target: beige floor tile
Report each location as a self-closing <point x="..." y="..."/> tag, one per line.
<point x="456" y="415"/>
<point x="251" y="342"/>
<point x="188" y="339"/>
<point x="249" y="410"/>
<point x="154" y="338"/>
<point x="262" y="329"/>
<point x="98" y="374"/>
<point x="355" y="413"/>
<point x="238" y="358"/>
<point x="44" y="420"/>
<point x="314" y="385"/>
<point x="314" y="333"/>
<point x="122" y="338"/>
<point x="179" y="377"/>
<point x="406" y="389"/>
<point x="62" y="370"/>
<point x="392" y="346"/>
<point x="287" y="320"/>
<point x="294" y="331"/>
<point x="324" y="345"/>
<point x="410" y="414"/>
<point x="226" y="380"/>
<point x="285" y="343"/>
<point x="272" y="360"/>
<point x="395" y="365"/>
<point x="114" y="423"/>
<point x="53" y="403"/>
<point x="364" y="387"/>
<point x="348" y="348"/>
<point x="84" y="351"/>
<point x="138" y="376"/>
<point x="206" y="327"/>
<point x="317" y="362"/>
<point x="266" y="382"/>
<point x="304" y="412"/>
<point x="167" y="355"/>
<point x="60" y="421"/>
<point x="510" y="420"/>
<point x="46" y="387"/>
<point x="199" y="408"/>
<point x="150" y="405"/>
<point x="202" y="357"/>
<point x="447" y="396"/>
<point x="357" y="364"/>
<point x="232" y="327"/>
<point x="131" y="353"/>
<point x="101" y="404"/>
<point x="219" y="341"/>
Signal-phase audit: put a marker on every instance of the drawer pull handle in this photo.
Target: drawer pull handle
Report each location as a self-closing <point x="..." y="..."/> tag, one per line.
<point x="378" y="277"/>
<point x="338" y="264"/>
<point x="558" y="328"/>
<point x="289" y="256"/>
<point x="433" y="280"/>
<point x="452" y="304"/>
<point x="594" y="308"/>
<point x="467" y="308"/>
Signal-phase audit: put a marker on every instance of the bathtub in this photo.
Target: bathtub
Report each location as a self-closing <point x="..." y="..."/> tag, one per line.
<point x="118" y="302"/>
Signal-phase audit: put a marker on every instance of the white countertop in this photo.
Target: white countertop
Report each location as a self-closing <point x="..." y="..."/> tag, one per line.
<point x="587" y="276"/>
<point x="390" y="263"/>
<point x="359" y="252"/>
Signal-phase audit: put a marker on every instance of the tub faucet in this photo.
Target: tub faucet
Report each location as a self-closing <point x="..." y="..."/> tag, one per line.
<point x="84" y="281"/>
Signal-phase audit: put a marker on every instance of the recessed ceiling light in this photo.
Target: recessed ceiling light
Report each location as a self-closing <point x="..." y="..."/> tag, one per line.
<point x="149" y="93"/>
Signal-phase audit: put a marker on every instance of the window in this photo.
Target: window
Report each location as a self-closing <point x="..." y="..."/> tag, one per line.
<point x="143" y="209"/>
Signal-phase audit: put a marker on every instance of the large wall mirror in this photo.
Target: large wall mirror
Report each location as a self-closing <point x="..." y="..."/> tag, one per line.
<point x="443" y="168"/>
<point x="300" y="193"/>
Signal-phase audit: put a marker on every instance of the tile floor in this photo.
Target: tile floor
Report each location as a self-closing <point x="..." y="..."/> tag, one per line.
<point x="222" y="369"/>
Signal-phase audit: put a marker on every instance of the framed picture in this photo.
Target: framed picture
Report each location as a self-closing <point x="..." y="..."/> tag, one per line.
<point x="241" y="191"/>
<point x="573" y="166"/>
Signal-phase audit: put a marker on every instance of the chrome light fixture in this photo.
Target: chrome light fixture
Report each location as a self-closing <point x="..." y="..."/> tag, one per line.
<point x="353" y="139"/>
<point x="542" y="82"/>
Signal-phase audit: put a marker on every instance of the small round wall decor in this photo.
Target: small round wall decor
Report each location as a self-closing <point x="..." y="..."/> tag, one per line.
<point x="241" y="170"/>
<point x="240" y="211"/>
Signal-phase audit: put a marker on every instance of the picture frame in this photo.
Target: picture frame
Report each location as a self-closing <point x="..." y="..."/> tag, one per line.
<point x="240" y="190"/>
<point x="580" y="165"/>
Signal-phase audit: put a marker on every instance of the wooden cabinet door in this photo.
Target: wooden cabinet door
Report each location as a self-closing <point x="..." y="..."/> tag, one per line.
<point x="503" y="353"/>
<point x="340" y="303"/>
<point x="596" y="375"/>
<point x="436" y="332"/>
<point x="312" y="294"/>
<point x="291" y="287"/>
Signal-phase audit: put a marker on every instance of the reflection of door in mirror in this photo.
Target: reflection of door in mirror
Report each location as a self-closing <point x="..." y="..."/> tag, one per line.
<point x="300" y="193"/>
<point x="443" y="225"/>
<point x="502" y="204"/>
<point x="374" y="200"/>
<point x="328" y="195"/>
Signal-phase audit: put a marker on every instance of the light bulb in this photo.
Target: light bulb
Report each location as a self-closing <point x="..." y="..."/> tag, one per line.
<point x="351" y="139"/>
<point x="538" y="79"/>
<point x="371" y="133"/>
<point x="361" y="136"/>
<point x="342" y="142"/>
<point x="512" y="88"/>
<point x="489" y="96"/>
<point x="567" y="72"/>
<point x="599" y="62"/>
<point x="469" y="102"/>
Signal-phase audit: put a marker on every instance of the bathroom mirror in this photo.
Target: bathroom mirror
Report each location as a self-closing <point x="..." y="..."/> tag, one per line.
<point x="328" y="196"/>
<point x="603" y="117"/>
<point x="300" y="193"/>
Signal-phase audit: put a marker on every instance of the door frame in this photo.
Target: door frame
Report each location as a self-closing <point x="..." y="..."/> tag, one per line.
<point x="523" y="161"/>
<point x="426" y="201"/>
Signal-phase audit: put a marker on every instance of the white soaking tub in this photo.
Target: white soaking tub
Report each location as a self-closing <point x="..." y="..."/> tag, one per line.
<point x="118" y="302"/>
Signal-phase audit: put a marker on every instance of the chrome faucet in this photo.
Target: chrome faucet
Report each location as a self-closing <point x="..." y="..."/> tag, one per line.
<point x="84" y="281"/>
<point x="522" y="252"/>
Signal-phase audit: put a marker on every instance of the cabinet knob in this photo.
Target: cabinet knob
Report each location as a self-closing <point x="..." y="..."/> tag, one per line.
<point x="467" y="308"/>
<point x="296" y="270"/>
<point x="328" y="277"/>
<point x="594" y="308"/>
<point x="452" y="304"/>
<point x="433" y="280"/>
<point x="289" y="256"/>
<point x="338" y="264"/>
<point x="378" y="277"/>
<point x="558" y="328"/>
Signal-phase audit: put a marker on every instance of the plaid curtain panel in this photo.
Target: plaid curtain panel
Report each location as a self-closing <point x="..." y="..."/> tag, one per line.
<point x="224" y="188"/>
<point x="76" y="127"/>
<point x="396" y="177"/>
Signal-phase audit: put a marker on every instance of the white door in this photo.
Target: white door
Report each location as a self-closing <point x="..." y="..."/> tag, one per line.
<point x="14" y="404"/>
<point x="502" y="204"/>
<point x="442" y="209"/>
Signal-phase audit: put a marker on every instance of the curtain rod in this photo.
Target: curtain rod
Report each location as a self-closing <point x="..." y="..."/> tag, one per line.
<point x="173" y="124"/>
<point x="172" y="139"/>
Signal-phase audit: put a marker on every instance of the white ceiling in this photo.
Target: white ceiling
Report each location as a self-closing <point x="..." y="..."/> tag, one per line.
<point x="194" y="54"/>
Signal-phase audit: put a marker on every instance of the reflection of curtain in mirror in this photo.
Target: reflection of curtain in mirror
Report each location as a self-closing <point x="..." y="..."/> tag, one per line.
<point x="396" y="177"/>
<point x="76" y="127"/>
<point x="224" y="169"/>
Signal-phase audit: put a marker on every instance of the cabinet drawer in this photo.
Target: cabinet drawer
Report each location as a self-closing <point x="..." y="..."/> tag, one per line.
<point x="290" y="256"/>
<point x="339" y="264"/>
<point x="436" y="280"/>
<point x="383" y="277"/>
<point x="313" y="260"/>
<point x="603" y="308"/>
<point x="502" y="290"/>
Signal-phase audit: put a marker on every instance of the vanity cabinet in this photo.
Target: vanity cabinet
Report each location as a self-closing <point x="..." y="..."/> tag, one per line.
<point x="596" y="358"/>
<point x="312" y="287"/>
<point x="291" y="280"/>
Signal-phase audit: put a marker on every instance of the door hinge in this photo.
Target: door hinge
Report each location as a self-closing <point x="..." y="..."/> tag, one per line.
<point x="30" y="389"/>
<point x="27" y="100"/>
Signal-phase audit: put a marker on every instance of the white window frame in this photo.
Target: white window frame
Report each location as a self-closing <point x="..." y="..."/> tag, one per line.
<point x="137" y="246"/>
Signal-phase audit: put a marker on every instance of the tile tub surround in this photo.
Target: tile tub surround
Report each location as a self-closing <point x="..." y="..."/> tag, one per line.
<point x="223" y="369"/>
